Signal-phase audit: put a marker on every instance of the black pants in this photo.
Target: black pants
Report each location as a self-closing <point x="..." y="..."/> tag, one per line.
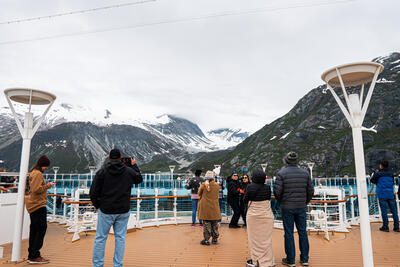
<point x="37" y="231"/>
<point x="236" y="212"/>
<point x="243" y="211"/>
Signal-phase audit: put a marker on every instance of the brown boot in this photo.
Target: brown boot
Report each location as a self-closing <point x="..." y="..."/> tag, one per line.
<point x="38" y="260"/>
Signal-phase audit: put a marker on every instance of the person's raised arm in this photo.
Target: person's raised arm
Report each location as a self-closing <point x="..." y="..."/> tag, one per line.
<point x="37" y="185"/>
<point x="375" y="177"/>
<point x="136" y="175"/>
<point x="201" y="190"/>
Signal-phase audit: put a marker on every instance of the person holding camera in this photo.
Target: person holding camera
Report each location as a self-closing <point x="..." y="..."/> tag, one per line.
<point x="110" y="193"/>
<point x="193" y="185"/>
<point x="384" y="180"/>
<point x="209" y="210"/>
<point x="36" y="202"/>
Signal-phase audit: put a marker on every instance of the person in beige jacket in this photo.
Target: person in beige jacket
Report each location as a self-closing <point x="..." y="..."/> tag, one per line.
<point x="36" y="201"/>
<point x="208" y="208"/>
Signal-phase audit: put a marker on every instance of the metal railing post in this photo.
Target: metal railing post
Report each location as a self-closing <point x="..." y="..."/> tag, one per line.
<point x="156" y="207"/>
<point x="138" y="210"/>
<point x="352" y="206"/>
<point x="398" y="197"/>
<point x="175" y="206"/>
<point x="64" y="218"/>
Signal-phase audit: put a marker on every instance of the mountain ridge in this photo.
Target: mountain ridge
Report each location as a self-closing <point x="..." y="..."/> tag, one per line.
<point x="316" y="128"/>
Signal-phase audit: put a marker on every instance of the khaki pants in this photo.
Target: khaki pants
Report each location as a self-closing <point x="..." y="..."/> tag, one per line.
<point x="210" y="229"/>
<point x="260" y="223"/>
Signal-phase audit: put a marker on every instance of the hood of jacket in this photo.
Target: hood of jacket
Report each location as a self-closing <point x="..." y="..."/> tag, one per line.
<point x="115" y="167"/>
<point x="258" y="177"/>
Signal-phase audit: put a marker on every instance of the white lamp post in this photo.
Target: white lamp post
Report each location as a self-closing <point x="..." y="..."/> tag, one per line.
<point x="91" y="169"/>
<point x="264" y="166"/>
<point x="357" y="74"/>
<point x="55" y="169"/>
<point x="310" y="166"/>
<point x="27" y="130"/>
<point x="172" y="168"/>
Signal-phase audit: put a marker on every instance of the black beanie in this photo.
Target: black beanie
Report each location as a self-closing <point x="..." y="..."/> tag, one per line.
<point x="43" y="161"/>
<point x="115" y="153"/>
<point x="290" y="158"/>
<point x="197" y="173"/>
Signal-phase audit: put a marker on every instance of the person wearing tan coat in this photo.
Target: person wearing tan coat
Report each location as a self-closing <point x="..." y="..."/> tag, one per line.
<point x="208" y="209"/>
<point x="36" y="201"/>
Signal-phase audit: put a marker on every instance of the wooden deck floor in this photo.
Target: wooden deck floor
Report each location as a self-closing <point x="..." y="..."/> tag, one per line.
<point x="178" y="246"/>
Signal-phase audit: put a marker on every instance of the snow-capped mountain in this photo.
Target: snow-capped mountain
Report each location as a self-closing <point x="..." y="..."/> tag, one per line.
<point x="79" y="136"/>
<point x="226" y="138"/>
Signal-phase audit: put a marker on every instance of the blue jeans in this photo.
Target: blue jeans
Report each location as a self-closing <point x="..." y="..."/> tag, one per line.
<point x="289" y="218"/>
<point x="194" y="210"/>
<point x="383" y="204"/>
<point x="104" y="223"/>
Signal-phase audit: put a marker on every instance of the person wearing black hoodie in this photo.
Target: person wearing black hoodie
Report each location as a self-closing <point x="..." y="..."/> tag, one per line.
<point x="260" y="221"/>
<point x="233" y="198"/>
<point x="110" y="193"/>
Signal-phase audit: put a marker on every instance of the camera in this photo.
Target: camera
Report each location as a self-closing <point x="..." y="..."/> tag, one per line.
<point x="127" y="162"/>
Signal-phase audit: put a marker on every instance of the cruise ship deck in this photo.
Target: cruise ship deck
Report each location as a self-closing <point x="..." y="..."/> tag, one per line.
<point x="174" y="246"/>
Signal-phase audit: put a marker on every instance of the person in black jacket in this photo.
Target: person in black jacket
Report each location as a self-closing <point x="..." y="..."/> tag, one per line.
<point x="233" y="198"/>
<point x="260" y="221"/>
<point x="293" y="189"/>
<point x="243" y="208"/>
<point x="193" y="185"/>
<point x="110" y="193"/>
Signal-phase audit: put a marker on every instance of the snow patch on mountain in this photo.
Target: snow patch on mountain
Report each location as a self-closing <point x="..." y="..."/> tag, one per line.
<point x="225" y="137"/>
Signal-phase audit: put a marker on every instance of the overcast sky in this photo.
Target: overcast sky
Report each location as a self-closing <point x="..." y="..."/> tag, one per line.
<point x="238" y="71"/>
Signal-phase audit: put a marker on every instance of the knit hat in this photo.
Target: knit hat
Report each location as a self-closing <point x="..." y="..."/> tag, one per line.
<point x="197" y="172"/>
<point x="115" y="153"/>
<point x="43" y="161"/>
<point x="258" y="176"/>
<point x="234" y="172"/>
<point x="209" y="175"/>
<point x="290" y="158"/>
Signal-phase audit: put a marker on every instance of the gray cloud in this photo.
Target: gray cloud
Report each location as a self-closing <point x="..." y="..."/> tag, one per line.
<point x="234" y="71"/>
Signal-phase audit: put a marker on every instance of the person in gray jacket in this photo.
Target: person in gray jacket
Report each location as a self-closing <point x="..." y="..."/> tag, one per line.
<point x="293" y="189"/>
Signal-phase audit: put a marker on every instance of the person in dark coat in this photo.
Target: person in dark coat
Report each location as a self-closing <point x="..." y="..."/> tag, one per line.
<point x="193" y="185"/>
<point x="260" y="221"/>
<point x="243" y="208"/>
<point x="293" y="189"/>
<point x="110" y="193"/>
<point x="233" y="199"/>
<point x="384" y="181"/>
